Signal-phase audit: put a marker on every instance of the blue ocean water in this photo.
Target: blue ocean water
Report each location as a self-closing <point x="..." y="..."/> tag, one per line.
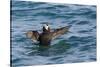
<point x="79" y="45"/>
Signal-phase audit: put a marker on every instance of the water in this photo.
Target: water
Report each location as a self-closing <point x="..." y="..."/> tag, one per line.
<point x="79" y="45"/>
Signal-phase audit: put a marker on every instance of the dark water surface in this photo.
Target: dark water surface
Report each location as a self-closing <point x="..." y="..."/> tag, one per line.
<point x="79" y="45"/>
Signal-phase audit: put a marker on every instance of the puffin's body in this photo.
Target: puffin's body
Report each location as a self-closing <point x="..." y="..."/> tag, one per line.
<point x="47" y="35"/>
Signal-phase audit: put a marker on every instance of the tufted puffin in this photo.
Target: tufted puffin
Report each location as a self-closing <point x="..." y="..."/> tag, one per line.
<point x="47" y="34"/>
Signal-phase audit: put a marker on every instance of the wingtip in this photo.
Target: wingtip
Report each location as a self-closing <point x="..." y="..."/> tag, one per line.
<point x="29" y="34"/>
<point x="68" y="26"/>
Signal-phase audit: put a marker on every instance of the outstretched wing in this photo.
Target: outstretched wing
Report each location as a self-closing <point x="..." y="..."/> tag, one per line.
<point x="59" y="32"/>
<point x="34" y="35"/>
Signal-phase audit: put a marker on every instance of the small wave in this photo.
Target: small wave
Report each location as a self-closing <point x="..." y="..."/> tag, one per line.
<point x="82" y="22"/>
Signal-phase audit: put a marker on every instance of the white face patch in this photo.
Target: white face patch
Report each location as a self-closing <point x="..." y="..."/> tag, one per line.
<point x="46" y="27"/>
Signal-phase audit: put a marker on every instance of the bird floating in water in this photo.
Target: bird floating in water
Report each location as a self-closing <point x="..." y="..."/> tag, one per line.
<point x="47" y="35"/>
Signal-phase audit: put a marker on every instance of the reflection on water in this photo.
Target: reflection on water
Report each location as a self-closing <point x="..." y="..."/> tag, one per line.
<point x="79" y="45"/>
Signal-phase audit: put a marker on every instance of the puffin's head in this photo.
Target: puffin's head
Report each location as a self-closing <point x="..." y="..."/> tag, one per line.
<point x="46" y="28"/>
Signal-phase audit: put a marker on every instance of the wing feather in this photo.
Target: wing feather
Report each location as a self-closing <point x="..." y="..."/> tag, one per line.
<point x="59" y="32"/>
<point x="34" y="35"/>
